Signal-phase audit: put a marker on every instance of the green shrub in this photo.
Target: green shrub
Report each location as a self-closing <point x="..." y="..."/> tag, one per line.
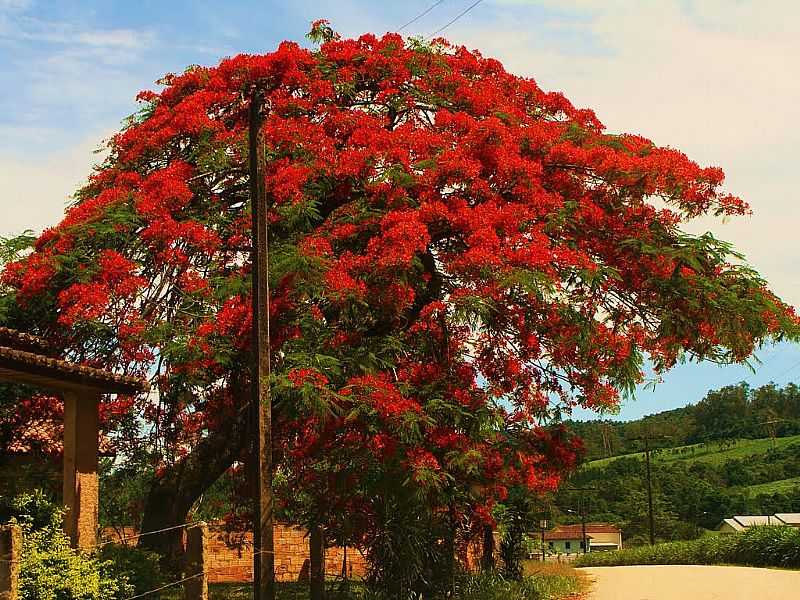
<point x="493" y="586"/>
<point x="141" y="568"/>
<point x="767" y="547"/>
<point x="50" y="569"/>
<point x="757" y="547"/>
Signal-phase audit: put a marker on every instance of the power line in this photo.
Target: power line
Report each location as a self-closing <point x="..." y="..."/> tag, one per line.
<point x="422" y="14"/>
<point x="787" y="371"/>
<point x="456" y="18"/>
<point x="772" y="379"/>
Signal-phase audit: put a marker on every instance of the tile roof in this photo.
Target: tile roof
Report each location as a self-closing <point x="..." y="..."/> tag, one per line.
<point x="742" y="522"/>
<point x="751" y="520"/>
<point x="28" y="359"/>
<point x="12" y="338"/>
<point x="733" y="524"/>
<point x="575" y="532"/>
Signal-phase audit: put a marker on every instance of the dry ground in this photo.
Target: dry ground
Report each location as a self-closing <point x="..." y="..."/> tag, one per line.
<point x="682" y="582"/>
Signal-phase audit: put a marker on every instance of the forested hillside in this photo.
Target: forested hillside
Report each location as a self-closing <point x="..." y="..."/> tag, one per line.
<point x="735" y="452"/>
<point x="733" y="412"/>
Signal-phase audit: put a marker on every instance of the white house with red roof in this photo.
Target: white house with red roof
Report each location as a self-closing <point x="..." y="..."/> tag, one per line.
<point x="568" y="539"/>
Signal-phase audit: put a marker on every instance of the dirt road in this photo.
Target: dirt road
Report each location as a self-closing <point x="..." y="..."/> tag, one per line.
<point x="681" y="582"/>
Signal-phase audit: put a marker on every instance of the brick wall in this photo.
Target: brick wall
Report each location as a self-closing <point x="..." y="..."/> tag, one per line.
<point x="233" y="565"/>
<point x="231" y="562"/>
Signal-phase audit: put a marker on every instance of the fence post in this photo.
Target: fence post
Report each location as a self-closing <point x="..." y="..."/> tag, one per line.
<point x="196" y="588"/>
<point x="317" y="562"/>
<point x="10" y="555"/>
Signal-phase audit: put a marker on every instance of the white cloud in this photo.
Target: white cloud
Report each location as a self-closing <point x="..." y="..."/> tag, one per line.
<point x="63" y="79"/>
<point x="33" y="194"/>
<point x="22" y="27"/>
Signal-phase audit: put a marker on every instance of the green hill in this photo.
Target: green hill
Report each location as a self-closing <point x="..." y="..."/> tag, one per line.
<point x="715" y="453"/>
<point x="737" y="451"/>
<point x="733" y="412"/>
<point x="694" y="487"/>
<point x="781" y="486"/>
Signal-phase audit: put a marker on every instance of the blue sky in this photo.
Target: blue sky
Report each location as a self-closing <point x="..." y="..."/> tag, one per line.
<point x="715" y="78"/>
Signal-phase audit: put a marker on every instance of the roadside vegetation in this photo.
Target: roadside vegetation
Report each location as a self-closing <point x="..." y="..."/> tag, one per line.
<point x="756" y="547"/>
<point x="551" y="584"/>
<point x="51" y="570"/>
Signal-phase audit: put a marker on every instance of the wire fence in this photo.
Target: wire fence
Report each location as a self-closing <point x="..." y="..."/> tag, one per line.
<point x="168" y="585"/>
<point x="125" y="538"/>
<point x="331" y="578"/>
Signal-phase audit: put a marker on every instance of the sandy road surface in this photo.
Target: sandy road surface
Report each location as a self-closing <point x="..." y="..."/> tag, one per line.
<point x="682" y="582"/>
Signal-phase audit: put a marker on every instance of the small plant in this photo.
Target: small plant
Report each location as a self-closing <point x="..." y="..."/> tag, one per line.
<point x="141" y="568"/>
<point x="493" y="586"/>
<point x="50" y="568"/>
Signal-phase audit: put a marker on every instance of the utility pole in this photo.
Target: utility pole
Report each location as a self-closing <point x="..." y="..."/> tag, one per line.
<point x="606" y="442"/>
<point x="582" y="510"/>
<point x="772" y="429"/>
<point x="650" y="516"/>
<point x="585" y="543"/>
<point x="543" y="527"/>
<point x="261" y="401"/>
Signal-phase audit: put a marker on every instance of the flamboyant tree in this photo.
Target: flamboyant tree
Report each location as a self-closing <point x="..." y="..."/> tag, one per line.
<point x="457" y="257"/>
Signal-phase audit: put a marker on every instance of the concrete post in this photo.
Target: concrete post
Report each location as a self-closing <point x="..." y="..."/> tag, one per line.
<point x="196" y="588"/>
<point x="10" y="555"/>
<point x="81" y="440"/>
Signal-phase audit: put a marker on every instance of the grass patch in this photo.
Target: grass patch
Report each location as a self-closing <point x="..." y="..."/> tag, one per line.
<point x="562" y="578"/>
<point x="551" y="583"/>
<point x="710" y="453"/>
<point x="290" y="590"/>
<point x="755" y="547"/>
<point x="773" y="487"/>
<point x="546" y="584"/>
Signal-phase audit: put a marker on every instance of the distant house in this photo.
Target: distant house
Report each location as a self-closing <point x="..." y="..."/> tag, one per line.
<point x="741" y="522"/>
<point x="568" y="539"/>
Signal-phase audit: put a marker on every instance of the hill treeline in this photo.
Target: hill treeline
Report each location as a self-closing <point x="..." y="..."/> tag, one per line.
<point x="733" y="412"/>
<point x="689" y="495"/>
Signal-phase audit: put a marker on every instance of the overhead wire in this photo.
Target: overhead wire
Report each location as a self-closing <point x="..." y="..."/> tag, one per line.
<point x="455" y="19"/>
<point x="772" y="380"/>
<point x="123" y="539"/>
<point x="420" y="15"/>
<point x="169" y="585"/>
<point x="787" y="371"/>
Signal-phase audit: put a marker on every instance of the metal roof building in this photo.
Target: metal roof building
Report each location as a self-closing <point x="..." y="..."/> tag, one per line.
<point x="739" y="523"/>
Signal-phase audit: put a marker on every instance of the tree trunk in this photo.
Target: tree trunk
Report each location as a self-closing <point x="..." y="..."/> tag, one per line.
<point x="487" y="560"/>
<point x="172" y="496"/>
